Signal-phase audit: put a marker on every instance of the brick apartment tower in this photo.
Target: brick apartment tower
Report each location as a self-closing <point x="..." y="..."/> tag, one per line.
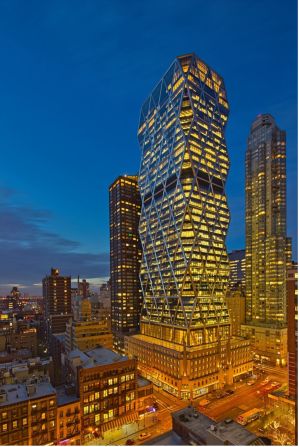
<point x="125" y="258"/>
<point x="57" y="298"/>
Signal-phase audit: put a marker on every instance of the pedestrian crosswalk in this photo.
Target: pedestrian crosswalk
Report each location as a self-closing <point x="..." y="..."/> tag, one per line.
<point x="162" y="405"/>
<point x="166" y="410"/>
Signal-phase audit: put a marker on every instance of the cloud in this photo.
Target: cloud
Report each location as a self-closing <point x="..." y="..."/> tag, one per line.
<point x="28" y="251"/>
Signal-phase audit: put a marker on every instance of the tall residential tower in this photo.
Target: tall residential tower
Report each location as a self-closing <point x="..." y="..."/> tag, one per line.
<point x="267" y="248"/>
<point x="125" y="257"/>
<point x="185" y="344"/>
<point x="57" y="298"/>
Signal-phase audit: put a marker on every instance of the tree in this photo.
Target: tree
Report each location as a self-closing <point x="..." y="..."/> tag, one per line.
<point x="281" y="438"/>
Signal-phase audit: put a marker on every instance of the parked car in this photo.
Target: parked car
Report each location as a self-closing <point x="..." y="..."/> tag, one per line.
<point x="130" y="442"/>
<point x="250" y="382"/>
<point x="221" y="394"/>
<point x="144" y="435"/>
<point x="228" y="421"/>
<point x="230" y="391"/>
<point x="254" y="418"/>
<point x="204" y="402"/>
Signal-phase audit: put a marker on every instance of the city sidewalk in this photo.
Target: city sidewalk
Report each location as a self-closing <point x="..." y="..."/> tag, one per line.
<point x="120" y="435"/>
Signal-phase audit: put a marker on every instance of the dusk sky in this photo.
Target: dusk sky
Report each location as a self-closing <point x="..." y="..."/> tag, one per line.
<point x="73" y="77"/>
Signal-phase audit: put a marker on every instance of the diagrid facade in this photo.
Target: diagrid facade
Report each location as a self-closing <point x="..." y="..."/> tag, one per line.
<point x="185" y="327"/>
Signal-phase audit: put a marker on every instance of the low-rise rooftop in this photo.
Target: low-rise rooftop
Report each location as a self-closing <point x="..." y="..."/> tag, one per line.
<point x="96" y="357"/>
<point x="13" y="394"/>
<point x="141" y="382"/>
<point x="60" y="337"/>
<point x="63" y="398"/>
<point x="169" y="438"/>
<point x="199" y="428"/>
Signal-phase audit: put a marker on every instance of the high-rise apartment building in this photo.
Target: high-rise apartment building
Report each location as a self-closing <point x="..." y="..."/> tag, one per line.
<point x="57" y="297"/>
<point x="125" y="256"/>
<point x="185" y="344"/>
<point x="292" y="296"/>
<point x="237" y="269"/>
<point x="267" y="248"/>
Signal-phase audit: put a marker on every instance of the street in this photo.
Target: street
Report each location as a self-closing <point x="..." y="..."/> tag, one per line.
<point x="245" y="397"/>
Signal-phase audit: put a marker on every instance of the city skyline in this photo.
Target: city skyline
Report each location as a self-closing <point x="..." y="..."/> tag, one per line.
<point x="148" y="225"/>
<point x="61" y="106"/>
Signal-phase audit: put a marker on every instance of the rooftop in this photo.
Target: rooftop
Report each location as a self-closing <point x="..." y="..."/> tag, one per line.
<point x="19" y="365"/>
<point x="169" y="438"/>
<point x="263" y="119"/>
<point x="204" y="430"/>
<point x="97" y="356"/>
<point x="13" y="394"/>
<point x="60" y="337"/>
<point x="141" y="381"/>
<point x="63" y="398"/>
<point x="23" y="352"/>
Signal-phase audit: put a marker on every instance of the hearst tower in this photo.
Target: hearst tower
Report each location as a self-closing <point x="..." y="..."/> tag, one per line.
<point x="185" y="344"/>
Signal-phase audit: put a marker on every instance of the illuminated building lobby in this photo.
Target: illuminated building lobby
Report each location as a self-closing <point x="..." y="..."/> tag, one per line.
<point x="185" y="345"/>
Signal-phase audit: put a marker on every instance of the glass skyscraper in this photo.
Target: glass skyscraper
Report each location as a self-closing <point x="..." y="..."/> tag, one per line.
<point x="267" y="247"/>
<point x="183" y="226"/>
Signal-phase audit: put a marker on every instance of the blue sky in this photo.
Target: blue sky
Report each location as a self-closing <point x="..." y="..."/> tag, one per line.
<point x="73" y="77"/>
